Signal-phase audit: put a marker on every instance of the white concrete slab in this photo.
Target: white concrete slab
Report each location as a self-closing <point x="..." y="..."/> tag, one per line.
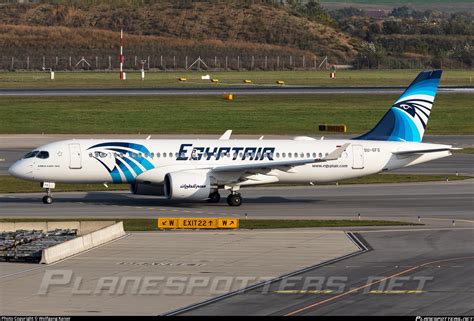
<point x="209" y="255"/>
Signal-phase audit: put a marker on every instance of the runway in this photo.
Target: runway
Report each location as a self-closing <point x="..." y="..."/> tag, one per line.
<point x="439" y="201"/>
<point x="384" y="281"/>
<point x="217" y="90"/>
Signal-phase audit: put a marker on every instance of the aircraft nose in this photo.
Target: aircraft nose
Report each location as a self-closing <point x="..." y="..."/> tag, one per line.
<point x="19" y="170"/>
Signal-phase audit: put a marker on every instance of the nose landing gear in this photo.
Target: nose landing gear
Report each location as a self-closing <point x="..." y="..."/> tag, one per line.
<point x="48" y="198"/>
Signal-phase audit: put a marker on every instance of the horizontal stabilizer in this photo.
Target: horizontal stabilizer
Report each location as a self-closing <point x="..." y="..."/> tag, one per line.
<point x="424" y="151"/>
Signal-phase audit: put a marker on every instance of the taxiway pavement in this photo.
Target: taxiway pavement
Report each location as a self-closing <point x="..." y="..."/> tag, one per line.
<point x="441" y="201"/>
<point x="383" y="281"/>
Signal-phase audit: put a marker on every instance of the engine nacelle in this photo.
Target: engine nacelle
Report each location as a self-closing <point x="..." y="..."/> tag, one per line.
<point x="147" y="189"/>
<point x="187" y="185"/>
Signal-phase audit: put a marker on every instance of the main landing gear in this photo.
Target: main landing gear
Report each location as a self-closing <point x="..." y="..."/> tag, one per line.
<point x="234" y="199"/>
<point x="48" y="198"/>
<point x="214" y="197"/>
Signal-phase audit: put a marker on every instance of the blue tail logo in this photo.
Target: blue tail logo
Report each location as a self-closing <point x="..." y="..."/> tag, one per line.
<point x="406" y="120"/>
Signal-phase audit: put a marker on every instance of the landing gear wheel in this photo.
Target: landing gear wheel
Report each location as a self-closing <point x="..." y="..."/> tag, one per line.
<point x="47" y="200"/>
<point x="214" y="197"/>
<point x="234" y="200"/>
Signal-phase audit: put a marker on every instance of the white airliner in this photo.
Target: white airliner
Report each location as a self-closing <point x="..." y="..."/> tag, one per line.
<point x="196" y="170"/>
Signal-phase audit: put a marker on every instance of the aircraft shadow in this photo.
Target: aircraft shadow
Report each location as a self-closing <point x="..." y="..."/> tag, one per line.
<point x="104" y="198"/>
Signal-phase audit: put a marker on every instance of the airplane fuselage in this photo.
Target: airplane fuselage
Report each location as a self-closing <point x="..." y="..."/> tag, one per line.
<point x="131" y="161"/>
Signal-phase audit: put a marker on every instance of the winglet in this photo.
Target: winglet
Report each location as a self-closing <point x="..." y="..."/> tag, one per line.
<point x="226" y="135"/>
<point x="335" y="154"/>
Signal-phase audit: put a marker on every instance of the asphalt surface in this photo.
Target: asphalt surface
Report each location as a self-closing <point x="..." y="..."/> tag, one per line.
<point x="247" y="90"/>
<point x="440" y="201"/>
<point x="378" y="282"/>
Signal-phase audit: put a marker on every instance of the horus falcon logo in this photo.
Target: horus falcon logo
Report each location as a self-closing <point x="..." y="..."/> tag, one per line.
<point x="128" y="160"/>
<point x="416" y="108"/>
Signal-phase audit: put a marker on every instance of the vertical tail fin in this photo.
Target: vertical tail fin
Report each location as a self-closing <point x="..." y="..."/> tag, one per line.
<point x="406" y="120"/>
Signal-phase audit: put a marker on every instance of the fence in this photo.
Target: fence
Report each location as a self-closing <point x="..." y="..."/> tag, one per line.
<point x="163" y="62"/>
<point x="171" y="63"/>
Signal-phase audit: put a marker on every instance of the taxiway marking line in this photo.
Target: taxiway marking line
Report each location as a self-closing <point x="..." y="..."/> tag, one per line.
<point x="304" y="291"/>
<point x="370" y="284"/>
<point x="396" y="291"/>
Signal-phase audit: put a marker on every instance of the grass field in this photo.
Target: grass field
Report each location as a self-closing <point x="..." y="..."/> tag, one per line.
<point x="266" y="115"/>
<point x="9" y="184"/>
<point x="468" y="150"/>
<point x="157" y="79"/>
<point x="150" y="224"/>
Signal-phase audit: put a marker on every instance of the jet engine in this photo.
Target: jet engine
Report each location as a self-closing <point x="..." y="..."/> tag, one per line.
<point x="147" y="189"/>
<point x="187" y="185"/>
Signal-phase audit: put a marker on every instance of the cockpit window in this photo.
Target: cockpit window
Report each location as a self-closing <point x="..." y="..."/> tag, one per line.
<point x="43" y="155"/>
<point x="31" y="154"/>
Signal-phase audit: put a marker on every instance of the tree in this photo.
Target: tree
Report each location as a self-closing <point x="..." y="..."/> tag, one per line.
<point x="370" y="56"/>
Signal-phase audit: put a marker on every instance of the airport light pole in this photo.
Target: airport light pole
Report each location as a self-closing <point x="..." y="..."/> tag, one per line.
<point x="121" y="54"/>
<point x="143" y="68"/>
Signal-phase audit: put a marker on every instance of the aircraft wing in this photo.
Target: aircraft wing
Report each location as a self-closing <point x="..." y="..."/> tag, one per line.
<point x="334" y="155"/>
